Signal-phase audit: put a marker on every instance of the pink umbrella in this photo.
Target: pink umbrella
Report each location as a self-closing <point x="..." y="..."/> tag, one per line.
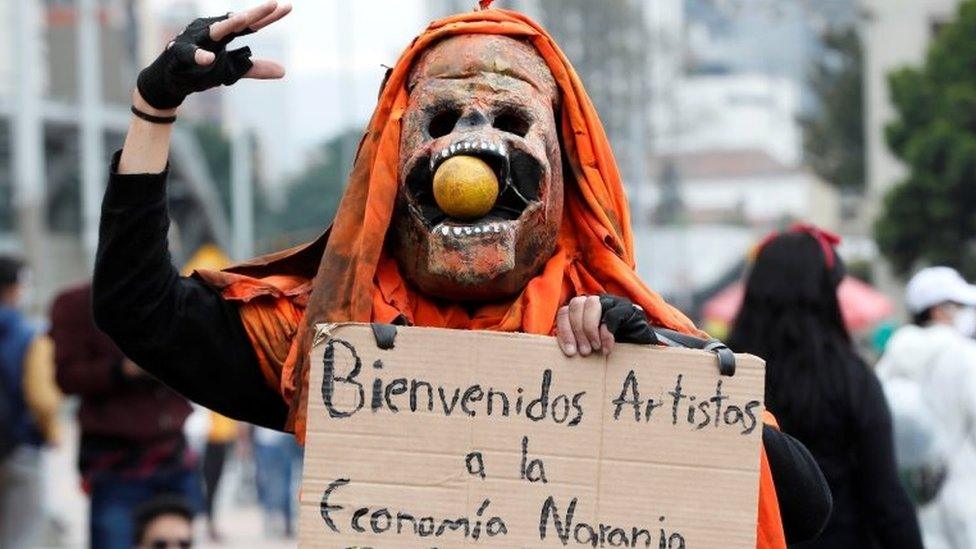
<point x="861" y="305"/>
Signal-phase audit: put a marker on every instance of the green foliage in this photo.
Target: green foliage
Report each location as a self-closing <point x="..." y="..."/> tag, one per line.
<point x="216" y="151"/>
<point x="833" y="138"/>
<point x="215" y="147"/>
<point x="930" y="217"/>
<point x="313" y="196"/>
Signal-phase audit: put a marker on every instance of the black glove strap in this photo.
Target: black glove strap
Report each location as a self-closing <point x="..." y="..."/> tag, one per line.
<point x="628" y="324"/>
<point x="726" y="358"/>
<point x="626" y="321"/>
<point x="152" y="118"/>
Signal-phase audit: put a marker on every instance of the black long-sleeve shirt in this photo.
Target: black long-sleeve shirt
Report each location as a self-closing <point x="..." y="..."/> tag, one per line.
<point x="185" y="334"/>
<point x="178" y="329"/>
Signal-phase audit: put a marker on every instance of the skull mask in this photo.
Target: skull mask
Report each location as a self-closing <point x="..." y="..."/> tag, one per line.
<point x="493" y="98"/>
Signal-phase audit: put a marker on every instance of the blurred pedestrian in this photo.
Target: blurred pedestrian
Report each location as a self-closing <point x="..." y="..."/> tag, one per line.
<point x="275" y="454"/>
<point x="930" y="368"/>
<point x="220" y="441"/>
<point x="165" y="522"/>
<point x="132" y="446"/>
<point x="29" y="400"/>
<point x="820" y="390"/>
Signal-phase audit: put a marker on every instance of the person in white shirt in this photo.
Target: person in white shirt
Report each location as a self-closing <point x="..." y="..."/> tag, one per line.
<point x="929" y="374"/>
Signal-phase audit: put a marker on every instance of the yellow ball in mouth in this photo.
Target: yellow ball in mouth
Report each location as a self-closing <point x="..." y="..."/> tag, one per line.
<point x="465" y="187"/>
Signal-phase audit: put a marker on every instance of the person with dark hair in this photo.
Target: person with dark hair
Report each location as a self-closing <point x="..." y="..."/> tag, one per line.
<point x="821" y="391"/>
<point x="929" y="373"/>
<point x="165" y="522"/>
<point x="29" y="401"/>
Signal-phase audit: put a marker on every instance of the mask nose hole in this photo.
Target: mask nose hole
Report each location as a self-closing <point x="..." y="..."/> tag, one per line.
<point x="472" y="120"/>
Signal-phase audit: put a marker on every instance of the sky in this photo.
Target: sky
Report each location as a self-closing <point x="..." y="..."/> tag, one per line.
<point x="334" y="52"/>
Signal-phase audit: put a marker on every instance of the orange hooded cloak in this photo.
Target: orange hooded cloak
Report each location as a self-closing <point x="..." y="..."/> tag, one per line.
<point x="347" y="275"/>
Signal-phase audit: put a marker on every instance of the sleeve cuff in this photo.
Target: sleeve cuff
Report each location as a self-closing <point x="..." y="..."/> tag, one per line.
<point x="134" y="189"/>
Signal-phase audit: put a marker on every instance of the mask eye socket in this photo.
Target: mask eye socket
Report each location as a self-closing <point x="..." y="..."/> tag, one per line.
<point x="443" y="123"/>
<point x="512" y="122"/>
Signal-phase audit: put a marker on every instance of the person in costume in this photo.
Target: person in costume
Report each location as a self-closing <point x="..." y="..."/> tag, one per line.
<point x="484" y="196"/>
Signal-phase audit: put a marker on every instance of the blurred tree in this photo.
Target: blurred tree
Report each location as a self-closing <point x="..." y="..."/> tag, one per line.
<point x="312" y="196"/>
<point x="216" y="151"/>
<point x="833" y="137"/>
<point x="931" y="215"/>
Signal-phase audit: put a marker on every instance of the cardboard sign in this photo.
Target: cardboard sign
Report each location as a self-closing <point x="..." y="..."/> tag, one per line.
<point x="475" y="439"/>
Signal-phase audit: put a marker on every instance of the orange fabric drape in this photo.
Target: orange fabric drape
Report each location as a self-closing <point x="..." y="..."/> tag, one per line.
<point x="356" y="280"/>
<point x="348" y="276"/>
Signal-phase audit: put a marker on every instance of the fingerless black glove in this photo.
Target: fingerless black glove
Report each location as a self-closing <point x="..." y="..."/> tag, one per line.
<point x="626" y="321"/>
<point x="628" y="324"/>
<point x="175" y="74"/>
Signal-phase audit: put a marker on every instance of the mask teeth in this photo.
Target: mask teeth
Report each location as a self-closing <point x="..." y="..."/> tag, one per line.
<point x="463" y="146"/>
<point x="465" y="231"/>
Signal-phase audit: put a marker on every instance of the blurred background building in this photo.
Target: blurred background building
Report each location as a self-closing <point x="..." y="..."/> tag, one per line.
<point x="896" y="33"/>
<point x="718" y="111"/>
<point x="64" y="108"/>
<point x="729" y="118"/>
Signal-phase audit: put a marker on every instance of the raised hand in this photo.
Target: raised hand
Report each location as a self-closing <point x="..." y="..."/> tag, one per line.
<point x="198" y="59"/>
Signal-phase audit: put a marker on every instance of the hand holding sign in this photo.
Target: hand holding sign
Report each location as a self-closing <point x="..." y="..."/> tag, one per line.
<point x="594" y="323"/>
<point x="458" y="438"/>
